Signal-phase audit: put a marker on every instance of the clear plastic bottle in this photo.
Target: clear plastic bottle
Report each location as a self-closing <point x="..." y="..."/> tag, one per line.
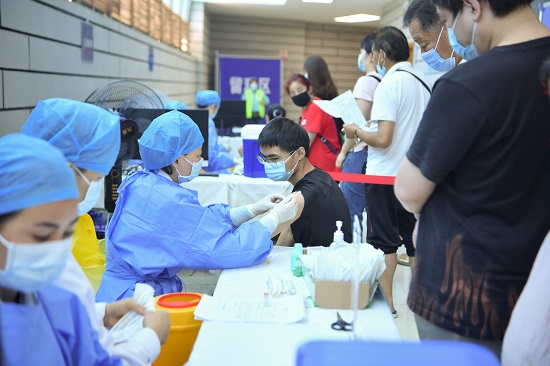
<point x="338" y="239"/>
<point x="296" y="260"/>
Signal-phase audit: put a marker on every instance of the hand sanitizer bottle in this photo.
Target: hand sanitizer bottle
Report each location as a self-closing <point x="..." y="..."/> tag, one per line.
<point x="296" y="260"/>
<point x="338" y="239"/>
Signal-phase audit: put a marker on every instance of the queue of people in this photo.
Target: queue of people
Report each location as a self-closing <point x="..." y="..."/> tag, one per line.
<point x="469" y="154"/>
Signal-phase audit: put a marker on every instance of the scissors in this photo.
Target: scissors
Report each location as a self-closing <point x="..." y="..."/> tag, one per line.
<point x="341" y="324"/>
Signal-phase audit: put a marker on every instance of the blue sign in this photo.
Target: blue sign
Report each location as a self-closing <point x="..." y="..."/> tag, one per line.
<point x="234" y="74"/>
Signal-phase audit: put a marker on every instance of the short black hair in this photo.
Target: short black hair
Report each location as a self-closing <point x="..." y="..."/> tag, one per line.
<point x="366" y="43"/>
<point x="285" y="134"/>
<point x="6" y="217"/>
<point x="425" y="12"/>
<point x="393" y="42"/>
<point x="500" y="8"/>
<point x="275" y="111"/>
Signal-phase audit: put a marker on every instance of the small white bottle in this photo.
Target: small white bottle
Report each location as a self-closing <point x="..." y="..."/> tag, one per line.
<point x="338" y="238"/>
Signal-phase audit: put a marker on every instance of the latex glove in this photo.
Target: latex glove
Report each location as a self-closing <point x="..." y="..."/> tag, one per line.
<point x="265" y="204"/>
<point x="117" y="309"/>
<point x="284" y="211"/>
<point x="238" y="161"/>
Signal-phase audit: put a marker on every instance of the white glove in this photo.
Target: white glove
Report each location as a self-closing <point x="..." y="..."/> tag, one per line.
<point x="265" y="204"/>
<point x="284" y="211"/>
<point x="240" y="215"/>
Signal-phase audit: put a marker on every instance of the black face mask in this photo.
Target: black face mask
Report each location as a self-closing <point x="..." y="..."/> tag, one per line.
<point x="301" y="100"/>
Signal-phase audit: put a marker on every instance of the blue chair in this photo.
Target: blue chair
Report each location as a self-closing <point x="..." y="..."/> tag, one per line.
<point x="324" y="353"/>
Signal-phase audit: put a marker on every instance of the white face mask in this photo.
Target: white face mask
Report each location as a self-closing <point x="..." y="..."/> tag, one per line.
<point x="92" y="195"/>
<point x="30" y="267"/>
<point x="196" y="168"/>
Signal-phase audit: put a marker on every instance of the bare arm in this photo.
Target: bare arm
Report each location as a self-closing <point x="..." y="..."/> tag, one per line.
<point x="412" y="189"/>
<point x="346" y="147"/>
<point x="285" y="226"/>
<point x="312" y="136"/>
<point x="365" y="106"/>
<point x="381" y="138"/>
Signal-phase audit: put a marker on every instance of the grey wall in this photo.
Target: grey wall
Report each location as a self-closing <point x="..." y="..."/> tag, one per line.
<point x="337" y="44"/>
<point x="41" y="58"/>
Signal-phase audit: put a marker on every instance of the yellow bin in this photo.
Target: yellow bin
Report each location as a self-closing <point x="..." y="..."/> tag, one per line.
<point x="184" y="329"/>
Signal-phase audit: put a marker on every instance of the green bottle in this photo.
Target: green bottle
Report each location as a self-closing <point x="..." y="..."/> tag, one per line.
<point x="296" y="260"/>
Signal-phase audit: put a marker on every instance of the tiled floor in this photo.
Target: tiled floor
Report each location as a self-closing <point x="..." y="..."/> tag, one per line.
<point x="405" y="321"/>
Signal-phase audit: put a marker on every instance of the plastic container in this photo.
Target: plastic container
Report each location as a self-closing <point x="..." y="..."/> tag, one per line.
<point x="252" y="167"/>
<point x="184" y="329"/>
<point x="296" y="260"/>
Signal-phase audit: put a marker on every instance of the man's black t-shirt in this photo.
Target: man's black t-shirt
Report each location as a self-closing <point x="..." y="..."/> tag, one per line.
<point x="324" y="204"/>
<point x="485" y="140"/>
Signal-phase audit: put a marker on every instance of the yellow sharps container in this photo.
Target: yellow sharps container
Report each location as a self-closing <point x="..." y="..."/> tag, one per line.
<point x="184" y="329"/>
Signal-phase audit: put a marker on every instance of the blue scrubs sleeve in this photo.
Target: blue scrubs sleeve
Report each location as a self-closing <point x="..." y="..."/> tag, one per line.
<point x="218" y="157"/>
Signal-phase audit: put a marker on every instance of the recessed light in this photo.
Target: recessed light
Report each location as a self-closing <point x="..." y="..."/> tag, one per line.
<point x="357" y="18"/>
<point x="318" y="1"/>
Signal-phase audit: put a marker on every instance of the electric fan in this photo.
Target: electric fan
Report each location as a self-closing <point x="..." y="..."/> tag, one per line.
<point x="137" y="106"/>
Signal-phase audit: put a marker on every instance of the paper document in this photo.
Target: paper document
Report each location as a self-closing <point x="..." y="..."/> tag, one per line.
<point x="344" y="106"/>
<point x="281" y="310"/>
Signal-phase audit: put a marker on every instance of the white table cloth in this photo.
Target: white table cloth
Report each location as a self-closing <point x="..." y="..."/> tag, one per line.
<point x="230" y="343"/>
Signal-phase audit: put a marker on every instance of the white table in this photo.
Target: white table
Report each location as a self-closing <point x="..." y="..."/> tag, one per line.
<point x="225" y="343"/>
<point x="235" y="190"/>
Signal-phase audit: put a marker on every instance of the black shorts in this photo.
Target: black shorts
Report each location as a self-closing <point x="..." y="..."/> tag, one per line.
<point x="389" y="224"/>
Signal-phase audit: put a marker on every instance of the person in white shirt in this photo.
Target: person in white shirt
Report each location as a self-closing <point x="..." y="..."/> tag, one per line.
<point x="353" y="156"/>
<point x="398" y="105"/>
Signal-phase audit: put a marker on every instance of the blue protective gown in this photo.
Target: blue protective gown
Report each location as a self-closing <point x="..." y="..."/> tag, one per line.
<point x="218" y="157"/>
<point x="159" y="228"/>
<point x="54" y="331"/>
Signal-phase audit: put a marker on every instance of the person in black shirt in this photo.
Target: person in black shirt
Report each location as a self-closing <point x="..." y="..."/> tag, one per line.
<point x="284" y="151"/>
<point x="478" y="174"/>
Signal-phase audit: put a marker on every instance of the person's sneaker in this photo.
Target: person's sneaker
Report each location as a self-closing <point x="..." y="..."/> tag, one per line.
<point x="394" y="313"/>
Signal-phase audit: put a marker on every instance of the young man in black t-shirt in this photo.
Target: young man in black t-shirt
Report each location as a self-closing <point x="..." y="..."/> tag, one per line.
<point x="478" y="174"/>
<point x="284" y="151"/>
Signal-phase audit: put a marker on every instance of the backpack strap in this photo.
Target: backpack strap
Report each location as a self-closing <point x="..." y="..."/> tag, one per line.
<point x="417" y="78"/>
<point x="375" y="77"/>
<point x="328" y="144"/>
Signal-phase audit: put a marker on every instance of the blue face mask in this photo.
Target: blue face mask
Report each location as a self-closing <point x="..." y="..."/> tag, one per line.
<point x="305" y="75"/>
<point x="381" y="69"/>
<point x="469" y="52"/>
<point x="435" y="61"/>
<point x="277" y="170"/>
<point x="360" y="63"/>
<point x="254" y="86"/>
<point x="196" y="168"/>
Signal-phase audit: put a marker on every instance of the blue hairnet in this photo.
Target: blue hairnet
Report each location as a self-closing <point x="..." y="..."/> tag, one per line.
<point x="208" y="97"/>
<point x="174" y="104"/>
<point x="33" y="173"/>
<point x="167" y="137"/>
<point x="88" y="136"/>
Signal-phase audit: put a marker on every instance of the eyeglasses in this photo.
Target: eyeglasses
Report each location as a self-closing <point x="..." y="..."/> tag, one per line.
<point x="263" y="160"/>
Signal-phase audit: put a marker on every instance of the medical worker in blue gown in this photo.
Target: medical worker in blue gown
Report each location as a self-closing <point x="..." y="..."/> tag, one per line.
<point x="219" y="160"/>
<point x="159" y="227"/>
<point x="89" y="138"/>
<point x="40" y="323"/>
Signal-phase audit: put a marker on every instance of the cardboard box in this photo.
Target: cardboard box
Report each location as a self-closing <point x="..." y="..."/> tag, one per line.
<point x="337" y="295"/>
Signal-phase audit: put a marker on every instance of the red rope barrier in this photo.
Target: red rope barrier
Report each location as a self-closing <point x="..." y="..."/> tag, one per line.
<point x="362" y="178"/>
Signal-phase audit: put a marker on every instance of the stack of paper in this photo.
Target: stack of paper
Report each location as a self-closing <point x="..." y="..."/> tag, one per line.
<point x="281" y="310"/>
<point x="344" y="106"/>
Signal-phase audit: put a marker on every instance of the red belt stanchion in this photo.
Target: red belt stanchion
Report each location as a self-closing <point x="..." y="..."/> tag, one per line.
<point x="362" y="178"/>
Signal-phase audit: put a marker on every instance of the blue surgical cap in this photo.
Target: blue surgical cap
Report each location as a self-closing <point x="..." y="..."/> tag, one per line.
<point x="33" y="173"/>
<point x="174" y="104"/>
<point x="208" y="97"/>
<point x="88" y="136"/>
<point x="167" y="137"/>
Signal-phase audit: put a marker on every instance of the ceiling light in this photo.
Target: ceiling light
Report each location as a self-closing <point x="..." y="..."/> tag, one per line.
<point x="247" y="2"/>
<point x="318" y="1"/>
<point x="357" y="18"/>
